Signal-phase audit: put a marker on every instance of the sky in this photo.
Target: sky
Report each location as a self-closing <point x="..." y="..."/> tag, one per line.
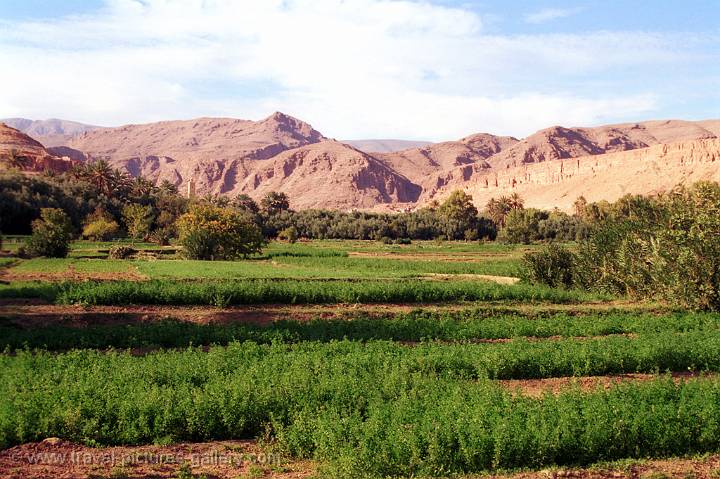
<point x="424" y="70"/>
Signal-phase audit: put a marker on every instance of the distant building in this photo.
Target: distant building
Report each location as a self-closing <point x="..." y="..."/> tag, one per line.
<point x="191" y="189"/>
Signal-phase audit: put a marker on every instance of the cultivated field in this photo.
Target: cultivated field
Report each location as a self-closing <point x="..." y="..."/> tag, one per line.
<point x="344" y="359"/>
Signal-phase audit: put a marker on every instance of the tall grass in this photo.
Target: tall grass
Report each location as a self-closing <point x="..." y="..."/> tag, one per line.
<point x="460" y="326"/>
<point x="224" y="293"/>
<point x="372" y="410"/>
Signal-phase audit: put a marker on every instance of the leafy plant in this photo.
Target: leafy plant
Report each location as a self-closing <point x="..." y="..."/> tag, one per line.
<point x="138" y="219"/>
<point x="212" y="233"/>
<point x="51" y="234"/>
<point x="553" y="266"/>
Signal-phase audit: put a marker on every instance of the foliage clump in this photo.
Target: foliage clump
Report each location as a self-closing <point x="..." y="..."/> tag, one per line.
<point x="100" y="226"/>
<point x="553" y="266"/>
<point x="51" y="234"/>
<point x="207" y="232"/>
<point x="289" y="234"/>
<point x="665" y="247"/>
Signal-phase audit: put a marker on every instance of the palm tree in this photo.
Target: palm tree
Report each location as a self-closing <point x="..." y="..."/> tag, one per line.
<point x="101" y="175"/>
<point x="515" y="202"/>
<point x="168" y="188"/>
<point x="141" y="187"/>
<point x="79" y="171"/>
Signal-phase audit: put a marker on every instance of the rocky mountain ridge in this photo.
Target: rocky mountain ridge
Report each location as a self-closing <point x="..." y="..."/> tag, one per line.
<point x="281" y="153"/>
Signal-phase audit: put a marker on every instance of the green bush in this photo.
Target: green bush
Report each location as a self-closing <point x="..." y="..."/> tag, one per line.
<point x="211" y="233"/>
<point x="289" y="234"/>
<point x="552" y="266"/>
<point x="666" y="249"/>
<point x="138" y="219"/>
<point x="51" y="234"/>
<point x="100" y="230"/>
<point x="162" y="235"/>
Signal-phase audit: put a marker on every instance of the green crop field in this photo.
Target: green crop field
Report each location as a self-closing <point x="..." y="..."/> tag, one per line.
<point x="359" y="358"/>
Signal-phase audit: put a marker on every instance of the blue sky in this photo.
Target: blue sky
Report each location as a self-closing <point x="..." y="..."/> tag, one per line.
<point x="363" y="68"/>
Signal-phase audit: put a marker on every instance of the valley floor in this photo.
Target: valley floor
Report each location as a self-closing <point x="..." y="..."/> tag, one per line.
<point x="342" y="359"/>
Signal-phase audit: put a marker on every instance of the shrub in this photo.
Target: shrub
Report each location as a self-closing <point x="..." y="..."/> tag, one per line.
<point x="138" y="219"/>
<point x="553" y="266"/>
<point x="289" y="234"/>
<point x="405" y="241"/>
<point x="522" y="226"/>
<point x="121" y="252"/>
<point x="51" y="234"/>
<point x="162" y="236"/>
<point x="100" y="230"/>
<point x="667" y="248"/>
<point x="211" y="233"/>
<point x="386" y="240"/>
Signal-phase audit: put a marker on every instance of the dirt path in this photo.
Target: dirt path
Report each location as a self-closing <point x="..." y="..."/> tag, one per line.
<point x="682" y="468"/>
<point x="476" y="277"/>
<point x="36" y="312"/>
<point x="58" y="459"/>
<point x="71" y="274"/>
<point x="53" y="458"/>
<point x="539" y="387"/>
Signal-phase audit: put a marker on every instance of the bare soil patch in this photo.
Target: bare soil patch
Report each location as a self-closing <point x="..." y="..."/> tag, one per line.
<point x="54" y="458"/>
<point x="478" y="277"/>
<point x="71" y="274"/>
<point x="684" y="468"/>
<point x="540" y="387"/>
<point x="37" y="312"/>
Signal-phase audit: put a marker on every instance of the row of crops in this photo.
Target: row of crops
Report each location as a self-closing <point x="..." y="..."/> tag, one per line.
<point x="404" y="394"/>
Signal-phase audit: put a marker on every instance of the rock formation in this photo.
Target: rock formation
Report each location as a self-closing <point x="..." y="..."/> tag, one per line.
<point x="281" y="153"/>
<point x="19" y="151"/>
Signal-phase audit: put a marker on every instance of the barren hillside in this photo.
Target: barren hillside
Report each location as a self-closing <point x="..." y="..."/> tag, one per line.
<point x="19" y="151"/>
<point x="558" y="142"/>
<point x="282" y="153"/>
<point x="329" y="174"/>
<point x="600" y="177"/>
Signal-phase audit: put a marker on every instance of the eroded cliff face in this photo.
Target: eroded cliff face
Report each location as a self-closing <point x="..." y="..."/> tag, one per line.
<point x="608" y="176"/>
<point x="32" y="156"/>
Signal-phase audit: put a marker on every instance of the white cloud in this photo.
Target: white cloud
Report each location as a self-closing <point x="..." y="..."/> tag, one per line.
<point x="353" y="68"/>
<point x="550" y="14"/>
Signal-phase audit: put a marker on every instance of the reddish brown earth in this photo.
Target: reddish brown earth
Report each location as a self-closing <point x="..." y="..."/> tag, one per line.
<point x="540" y="387"/>
<point x="680" y="468"/>
<point x="54" y="458"/>
<point x="37" y="158"/>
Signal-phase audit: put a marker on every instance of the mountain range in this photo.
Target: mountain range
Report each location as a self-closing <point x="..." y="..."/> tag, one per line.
<point x="549" y="168"/>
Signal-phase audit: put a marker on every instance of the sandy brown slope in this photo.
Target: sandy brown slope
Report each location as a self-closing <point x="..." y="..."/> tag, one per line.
<point x="559" y="143"/>
<point x="425" y="165"/>
<point x="329" y="174"/>
<point x="608" y="176"/>
<point x="200" y="139"/>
